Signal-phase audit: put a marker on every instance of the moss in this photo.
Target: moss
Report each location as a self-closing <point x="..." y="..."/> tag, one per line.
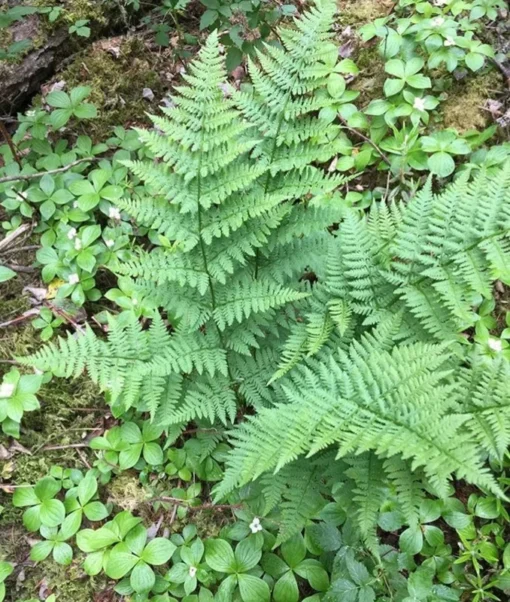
<point x="464" y="110"/>
<point x="126" y="492"/>
<point x="117" y="70"/>
<point x="370" y="80"/>
<point x="359" y="12"/>
<point x="70" y="584"/>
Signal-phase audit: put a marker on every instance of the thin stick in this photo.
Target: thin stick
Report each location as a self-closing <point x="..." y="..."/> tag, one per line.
<point x="206" y="506"/>
<point x="366" y="139"/>
<point x="21" y="249"/>
<point x="13" y="235"/>
<point x="10" y="143"/>
<point x="45" y="173"/>
<point x="20" y="268"/>
<point x="83" y="458"/>
<point x="65" y="316"/>
<point x="69" y="446"/>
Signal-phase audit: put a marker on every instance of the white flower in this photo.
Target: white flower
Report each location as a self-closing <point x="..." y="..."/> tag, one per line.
<point x="77" y="244"/>
<point x="437" y="22"/>
<point x="449" y="42"/>
<point x="109" y="243"/>
<point x="72" y="233"/>
<point x="114" y="213"/>
<point x="495" y="345"/>
<point x="75" y="205"/>
<point x="192" y="571"/>
<point x="419" y="104"/>
<point x="38" y="372"/>
<point x="255" y="525"/>
<point x="6" y="390"/>
<point x="441" y="2"/>
<point x="134" y="301"/>
<point x="74" y="279"/>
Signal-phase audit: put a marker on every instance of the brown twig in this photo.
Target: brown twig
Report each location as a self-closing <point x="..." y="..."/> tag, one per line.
<point x="69" y="446"/>
<point x="10" y="144"/>
<point x="25" y="316"/>
<point x="13" y="235"/>
<point x="20" y="268"/>
<point x="45" y="173"/>
<point x="206" y="506"/>
<point x="366" y="139"/>
<point x="65" y="316"/>
<point x="21" y="249"/>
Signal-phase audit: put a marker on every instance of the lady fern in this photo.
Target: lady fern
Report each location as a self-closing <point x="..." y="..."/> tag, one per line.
<point x="225" y="194"/>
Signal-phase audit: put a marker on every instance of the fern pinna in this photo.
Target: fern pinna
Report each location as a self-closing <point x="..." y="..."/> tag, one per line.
<point x="241" y="207"/>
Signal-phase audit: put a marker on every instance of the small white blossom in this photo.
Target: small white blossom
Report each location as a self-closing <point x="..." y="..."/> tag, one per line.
<point x="437" y="22"/>
<point x="134" y="301"/>
<point x="255" y="525"/>
<point x="192" y="571"/>
<point x="75" y="205"/>
<point x="38" y="372"/>
<point x="449" y="42"/>
<point x="109" y="243"/>
<point x="114" y="213"/>
<point x="77" y="244"/>
<point x="74" y="279"/>
<point x="72" y="233"/>
<point x="6" y="389"/>
<point x="495" y="345"/>
<point x="30" y="113"/>
<point x="441" y="2"/>
<point x="419" y="104"/>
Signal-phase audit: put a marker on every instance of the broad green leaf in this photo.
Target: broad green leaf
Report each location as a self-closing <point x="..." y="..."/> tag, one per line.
<point x="24" y="496"/>
<point x="86" y="111"/>
<point x="89" y="540"/>
<point x="87" y="489"/>
<point x="58" y="99"/>
<point x="253" y="589"/>
<point x="63" y="553"/>
<point x="47" y="488"/>
<point x="219" y="555"/>
<point x="79" y="94"/>
<point x="95" y="511"/>
<point x="247" y="555"/>
<point x="336" y="85"/>
<point x="153" y="454"/>
<point x="294" y="550"/>
<point x="286" y="588"/>
<point x="142" y="578"/>
<point x="70" y="525"/>
<point x="60" y="117"/>
<point x="313" y="571"/>
<point x="411" y="541"/>
<point x="41" y="551"/>
<point x="441" y="164"/>
<point x="158" y="551"/>
<point x="6" y="273"/>
<point x="120" y="562"/>
<point x="32" y="518"/>
<point x="52" y="513"/>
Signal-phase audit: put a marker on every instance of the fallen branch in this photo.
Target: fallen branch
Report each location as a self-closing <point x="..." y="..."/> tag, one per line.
<point x="20" y="249"/>
<point x="40" y="174"/>
<point x="13" y="235"/>
<point x="20" y="268"/>
<point x="366" y="139"/>
<point x="206" y="506"/>
<point x="69" y="446"/>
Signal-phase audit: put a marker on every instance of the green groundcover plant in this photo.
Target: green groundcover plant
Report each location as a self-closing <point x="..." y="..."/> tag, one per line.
<point x="336" y="357"/>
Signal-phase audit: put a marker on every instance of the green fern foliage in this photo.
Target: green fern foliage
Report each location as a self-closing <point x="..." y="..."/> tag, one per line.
<point x="240" y="204"/>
